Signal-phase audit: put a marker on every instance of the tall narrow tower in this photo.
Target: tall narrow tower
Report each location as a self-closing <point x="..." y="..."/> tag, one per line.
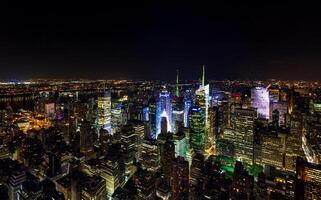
<point x="177" y="90"/>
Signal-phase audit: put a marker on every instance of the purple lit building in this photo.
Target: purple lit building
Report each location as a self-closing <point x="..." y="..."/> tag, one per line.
<point x="261" y="101"/>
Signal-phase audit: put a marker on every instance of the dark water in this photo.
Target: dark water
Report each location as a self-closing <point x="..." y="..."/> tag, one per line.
<point x="17" y="102"/>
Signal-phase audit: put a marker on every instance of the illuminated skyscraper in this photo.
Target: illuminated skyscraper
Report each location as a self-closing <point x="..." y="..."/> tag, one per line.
<point x="104" y="111"/>
<point x="118" y="118"/>
<point x="261" y="101"/>
<point x="180" y="142"/>
<point x="164" y="109"/>
<point x="202" y="101"/>
<point x="152" y="118"/>
<point x="178" y="113"/>
<point x="197" y="129"/>
<point x="178" y="109"/>
<point x="110" y="171"/>
<point x="187" y="106"/>
<point x="294" y="140"/>
<point x="128" y="141"/>
<point x="273" y="150"/>
<point x="309" y="176"/>
<point x="150" y="156"/>
<point x="242" y="128"/>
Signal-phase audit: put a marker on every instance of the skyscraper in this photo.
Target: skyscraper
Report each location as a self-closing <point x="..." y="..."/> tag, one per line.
<point x="104" y="111"/>
<point x="242" y="128"/>
<point x="197" y="129"/>
<point x="179" y="178"/>
<point x="86" y="138"/>
<point x="261" y="101"/>
<point x="178" y="113"/>
<point x="309" y="176"/>
<point x="128" y="141"/>
<point x="145" y="183"/>
<point x="152" y="117"/>
<point x="164" y="109"/>
<point x="167" y="153"/>
<point x="150" y="156"/>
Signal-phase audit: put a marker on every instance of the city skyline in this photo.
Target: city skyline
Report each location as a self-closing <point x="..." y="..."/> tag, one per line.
<point x="160" y="101"/>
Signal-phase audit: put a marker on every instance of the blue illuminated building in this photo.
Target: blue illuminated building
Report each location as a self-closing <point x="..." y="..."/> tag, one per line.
<point x="187" y="106"/>
<point x="164" y="109"/>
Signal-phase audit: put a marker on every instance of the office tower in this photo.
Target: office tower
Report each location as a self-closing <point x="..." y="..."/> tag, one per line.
<point x="163" y="125"/>
<point x="105" y="139"/>
<point x="280" y="184"/>
<point x="242" y="184"/>
<point x="309" y="176"/>
<point x="223" y="118"/>
<point x="196" y="169"/>
<point x="164" y="109"/>
<point x="243" y="125"/>
<point x="129" y="142"/>
<point x="212" y="127"/>
<point x="180" y="143"/>
<point x="15" y="182"/>
<point x="145" y="183"/>
<point x="152" y="117"/>
<point x="261" y="101"/>
<point x="117" y="118"/>
<point x="179" y="178"/>
<point x="140" y="131"/>
<point x="202" y="99"/>
<point x="86" y="139"/>
<point x="273" y="149"/>
<point x="104" y="111"/>
<point x="94" y="188"/>
<point x="312" y="142"/>
<point x="111" y="172"/>
<point x="178" y="113"/>
<point x="187" y="106"/>
<point x="54" y="164"/>
<point x="274" y="94"/>
<point x="197" y="129"/>
<point x="150" y="156"/>
<point x="282" y="107"/>
<point x="225" y="147"/>
<point x="294" y="140"/>
<point x="167" y="153"/>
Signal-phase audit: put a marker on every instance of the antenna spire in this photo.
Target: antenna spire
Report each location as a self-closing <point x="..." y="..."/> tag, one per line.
<point x="177" y="90"/>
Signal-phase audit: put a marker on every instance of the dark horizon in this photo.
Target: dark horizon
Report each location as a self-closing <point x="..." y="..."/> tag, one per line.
<point x="150" y="41"/>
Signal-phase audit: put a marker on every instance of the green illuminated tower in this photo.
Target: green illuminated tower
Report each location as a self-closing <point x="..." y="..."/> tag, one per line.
<point x="197" y="129"/>
<point x="177" y="90"/>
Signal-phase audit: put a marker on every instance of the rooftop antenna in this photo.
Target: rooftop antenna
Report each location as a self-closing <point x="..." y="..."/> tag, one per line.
<point x="177" y="90"/>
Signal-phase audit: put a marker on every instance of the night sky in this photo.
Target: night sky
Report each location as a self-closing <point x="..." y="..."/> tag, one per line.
<point x="151" y="40"/>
